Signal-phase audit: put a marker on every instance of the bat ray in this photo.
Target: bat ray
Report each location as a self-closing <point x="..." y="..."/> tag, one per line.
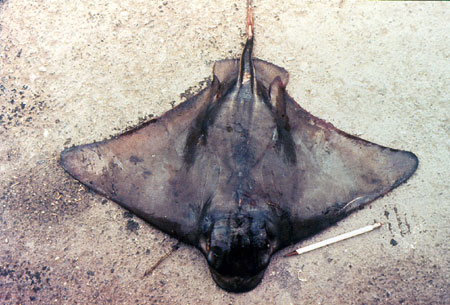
<point x="239" y="170"/>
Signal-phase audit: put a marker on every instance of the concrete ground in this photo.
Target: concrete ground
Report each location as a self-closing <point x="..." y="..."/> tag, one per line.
<point x="74" y="72"/>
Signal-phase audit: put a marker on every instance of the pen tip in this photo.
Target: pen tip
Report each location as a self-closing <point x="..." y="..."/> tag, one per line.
<point x="291" y="254"/>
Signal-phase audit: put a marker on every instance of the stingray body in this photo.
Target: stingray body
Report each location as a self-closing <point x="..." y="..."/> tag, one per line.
<point x="240" y="170"/>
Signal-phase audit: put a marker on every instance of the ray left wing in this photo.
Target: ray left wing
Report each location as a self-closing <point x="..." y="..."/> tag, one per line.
<point x="144" y="171"/>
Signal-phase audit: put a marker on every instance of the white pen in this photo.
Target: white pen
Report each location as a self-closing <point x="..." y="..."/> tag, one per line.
<point x="335" y="239"/>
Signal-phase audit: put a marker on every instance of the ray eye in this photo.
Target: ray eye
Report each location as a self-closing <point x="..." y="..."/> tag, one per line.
<point x="208" y="244"/>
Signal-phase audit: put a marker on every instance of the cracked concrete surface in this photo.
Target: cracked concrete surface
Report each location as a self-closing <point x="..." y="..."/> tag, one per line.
<point x="76" y="72"/>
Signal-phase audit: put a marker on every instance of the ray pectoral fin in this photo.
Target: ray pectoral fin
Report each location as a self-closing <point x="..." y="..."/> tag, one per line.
<point x="339" y="172"/>
<point x="142" y="169"/>
<point x="138" y="182"/>
<point x="84" y="163"/>
<point x="356" y="182"/>
<point x="198" y="130"/>
<point x="397" y="167"/>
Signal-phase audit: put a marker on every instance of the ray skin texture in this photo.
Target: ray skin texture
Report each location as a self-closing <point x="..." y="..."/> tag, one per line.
<point x="240" y="170"/>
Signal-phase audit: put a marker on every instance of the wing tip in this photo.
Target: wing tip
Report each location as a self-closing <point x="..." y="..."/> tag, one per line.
<point x="64" y="158"/>
<point x="415" y="161"/>
<point x="411" y="162"/>
<point x="74" y="159"/>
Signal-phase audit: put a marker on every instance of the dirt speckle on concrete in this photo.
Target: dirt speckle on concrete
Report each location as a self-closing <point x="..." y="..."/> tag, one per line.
<point x="43" y="194"/>
<point x="132" y="225"/>
<point x="20" y="107"/>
